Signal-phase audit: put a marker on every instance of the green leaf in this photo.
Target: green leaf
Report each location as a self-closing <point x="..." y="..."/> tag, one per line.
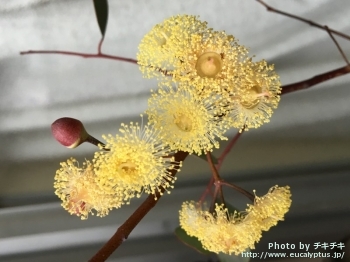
<point x="233" y="258"/>
<point x="192" y="242"/>
<point x="101" y="10"/>
<point x="204" y="157"/>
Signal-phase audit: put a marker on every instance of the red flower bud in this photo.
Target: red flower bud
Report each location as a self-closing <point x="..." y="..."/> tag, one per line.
<point x="69" y="132"/>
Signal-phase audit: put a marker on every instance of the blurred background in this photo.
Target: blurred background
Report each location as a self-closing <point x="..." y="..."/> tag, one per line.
<point x="306" y="145"/>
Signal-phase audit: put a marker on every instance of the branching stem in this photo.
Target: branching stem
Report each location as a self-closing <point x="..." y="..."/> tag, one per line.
<point x="207" y="190"/>
<point x="212" y="205"/>
<point x="311" y="23"/>
<point x="321" y="77"/>
<point x="217" y="179"/>
<point x="337" y="45"/>
<point x="315" y="80"/>
<point x="228" y="149"/>
<point x="239" y="189"/>
<point x="125" y="229"/>
<point x="84" y="55"/>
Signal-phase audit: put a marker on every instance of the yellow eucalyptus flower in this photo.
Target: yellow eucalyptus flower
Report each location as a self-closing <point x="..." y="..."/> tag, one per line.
<point x="258" y="93"/>
<point x="212" y="59"/>
<point x="234" y="233"/>
<point x="187" y="121"/>
<point x="222" y="232"/>
<point x="271" y="208"/>
<point x="137" y="161"/>
<point x="158" y="49"/>
<point x="80" y="195"/>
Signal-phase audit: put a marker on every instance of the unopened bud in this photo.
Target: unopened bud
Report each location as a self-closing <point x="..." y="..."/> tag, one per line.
<point x="69" y="132"/>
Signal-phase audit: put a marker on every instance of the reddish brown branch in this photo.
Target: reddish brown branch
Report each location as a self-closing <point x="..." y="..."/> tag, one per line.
<point x="84" y="55"/>
<point x="100" y="46"/>
<point x="213" y="201"/>
<point x="315" y="80"/>
<point x="217" y="178"/>
<point x="337" y="45"/>
<point x="125" y="229"/>
<point x="311" y="23"/>
<point x="207" y="190"/>
<point x="228" y="149"/>
<point x="318" y="78"/>
<point x="216" y="175"/>
<point x="239" y="189"/>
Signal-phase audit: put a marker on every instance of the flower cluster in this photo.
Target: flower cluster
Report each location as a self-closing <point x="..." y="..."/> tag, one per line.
<point x="207" y="84"/>
<point x="182" y="50"/>
<point x="133" y="162"/>
<point x="221" y="231"/>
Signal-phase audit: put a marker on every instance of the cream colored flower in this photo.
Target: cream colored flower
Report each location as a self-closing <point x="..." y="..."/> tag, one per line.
<point x="212" y="59"/>
<point x="187" y="121"/>
<point x="137" y="162"/>
<point x="256" y="95"/>
<point x="234" y="233"/>
<point x="271" y="208"/>
<point x="222" y="232"/>
<point x="80" y="195"/>
<point x="158" y="49"/>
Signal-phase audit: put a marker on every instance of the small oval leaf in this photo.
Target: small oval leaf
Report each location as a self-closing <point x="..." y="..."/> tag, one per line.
<point x="101" y="10"/>
<point x="192" y="242"/>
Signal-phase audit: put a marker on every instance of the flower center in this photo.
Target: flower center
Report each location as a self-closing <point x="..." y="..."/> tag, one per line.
<point x="78" y="200"/>
<point x="209" y="64"/>
<point x="183" y="122"/>
<point x="251" y="99"/>
<point x="128" y="166"/>
<point x="76" y="207"/>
